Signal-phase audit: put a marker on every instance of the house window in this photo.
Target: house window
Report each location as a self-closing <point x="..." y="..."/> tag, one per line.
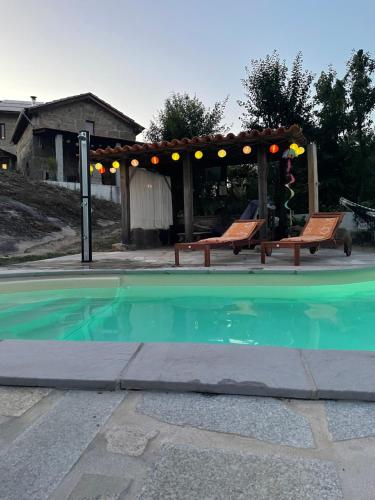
<point x="2" y="130"/>
<point x="90" y="127"/>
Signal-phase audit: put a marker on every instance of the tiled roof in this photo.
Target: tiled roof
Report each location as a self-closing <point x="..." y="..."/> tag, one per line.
<point x="4" y="152"/>
<point x="249" y="136"/>
<point x="22" y="121"/>
<point x="93" y="97"/>
<point x="15" y="106"/>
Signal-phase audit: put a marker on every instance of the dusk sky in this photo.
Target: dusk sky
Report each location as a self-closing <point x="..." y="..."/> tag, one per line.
<point x="133" y="54"/>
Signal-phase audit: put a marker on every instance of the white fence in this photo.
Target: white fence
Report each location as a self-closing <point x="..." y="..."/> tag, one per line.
<point x="150" y="198"/>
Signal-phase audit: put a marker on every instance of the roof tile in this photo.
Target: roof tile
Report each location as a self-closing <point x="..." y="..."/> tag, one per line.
<point x="280" y="134"/>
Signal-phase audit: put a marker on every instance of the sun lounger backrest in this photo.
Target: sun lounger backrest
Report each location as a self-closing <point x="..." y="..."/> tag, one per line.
<point x="321" y="226"/>
<point x="241" y="230"/>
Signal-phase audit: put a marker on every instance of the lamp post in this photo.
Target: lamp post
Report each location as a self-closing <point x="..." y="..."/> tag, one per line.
<point x="84" y="168"/>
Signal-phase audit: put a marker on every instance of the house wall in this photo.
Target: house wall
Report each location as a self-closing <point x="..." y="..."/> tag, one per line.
<point x="72" y="117"/>
<point x="10" y="120"/>
<point x="44" y="162"/>
<point x="25" y="156"/>
<point x="37" y="155"/>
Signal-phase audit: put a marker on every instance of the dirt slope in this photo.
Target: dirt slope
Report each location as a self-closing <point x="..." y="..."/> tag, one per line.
<point x="38" y="219"/>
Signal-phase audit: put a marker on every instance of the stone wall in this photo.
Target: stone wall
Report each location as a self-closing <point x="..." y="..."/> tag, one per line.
<point x="72" y="117"/>
<point x="36" y="154"/>
<point x="44" y="161"/>
<point x="25" y="158"/>
<point x="10" y="120"/>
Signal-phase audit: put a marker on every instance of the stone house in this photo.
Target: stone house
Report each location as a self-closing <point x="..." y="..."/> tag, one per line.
<point x="45" y="136"/>
<point x="40" y="140"/>
<point x="9" y="113"/>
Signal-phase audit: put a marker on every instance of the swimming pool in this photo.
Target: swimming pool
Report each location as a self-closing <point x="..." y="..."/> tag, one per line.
<point x="316" y="310"/>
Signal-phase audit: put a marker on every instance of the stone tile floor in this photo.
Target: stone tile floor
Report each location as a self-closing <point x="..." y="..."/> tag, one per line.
<point x="140" y="445"/>
<point x="325" y="258"/>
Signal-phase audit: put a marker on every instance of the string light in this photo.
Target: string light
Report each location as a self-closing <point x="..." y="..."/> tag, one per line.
<point x="91" y="169"/>
<point x="198" y="155"/>
<point x="98" y="166"/>
<point x="246" y="150"/>
<point x="112" y="170"/>
<point x="274" y="148"/>
<point x="221" y="153"/>
<point x="134" y="162"/>
<point x="154" y="160"/>
<point x="102" y="170"/>
<point x="116" y="164"/>
<point x="294" y="146"/>
<point x="300" y="151"/>
<point x="175" y="156"/>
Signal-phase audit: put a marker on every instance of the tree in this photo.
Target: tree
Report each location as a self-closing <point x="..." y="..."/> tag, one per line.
<point x="331" y="136"/>
<point x="274" y="97"/>
<point x="185" y="116"/>
<point x="361" y="91"/>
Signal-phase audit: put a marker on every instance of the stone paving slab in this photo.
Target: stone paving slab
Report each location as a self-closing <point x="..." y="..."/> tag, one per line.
<point x="99" y="487"/>
<point x="4" y="419"/>
<point x="188" y="473"/>
<point x="350" y="419"/>
<point x="228" y="369"/>
<point x="81" y="365"/>
<point x="266" y="419"/>
<point x="33" y="465"/>
<point x="14" y="402"/>
<point x="128" y="440"/>
<point x="342" y="374"/>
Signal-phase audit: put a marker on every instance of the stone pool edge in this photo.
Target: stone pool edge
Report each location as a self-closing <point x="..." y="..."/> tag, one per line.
<point x="208" y="368"/>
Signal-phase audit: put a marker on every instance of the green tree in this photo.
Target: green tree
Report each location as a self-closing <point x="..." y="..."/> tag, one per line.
<point x="274" y="96"/>
<point x="361" y="92"/>
<point x="186" y="116"/>
<point x="332" y="139"/>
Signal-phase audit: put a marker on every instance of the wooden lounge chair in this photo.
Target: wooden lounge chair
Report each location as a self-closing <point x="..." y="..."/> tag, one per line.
<point x="320" y="227"/>
<point x="239" y="235"/>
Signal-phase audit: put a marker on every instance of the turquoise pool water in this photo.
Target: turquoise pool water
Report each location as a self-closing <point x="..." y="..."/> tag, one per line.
<point x="314" y="311"/>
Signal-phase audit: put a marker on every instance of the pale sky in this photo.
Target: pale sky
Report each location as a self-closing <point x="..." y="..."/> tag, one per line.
<point x="133" y="54"/>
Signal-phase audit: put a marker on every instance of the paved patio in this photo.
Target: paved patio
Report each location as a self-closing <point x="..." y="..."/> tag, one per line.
<point x="325" y="258"/>
<point x="79" y="445"/>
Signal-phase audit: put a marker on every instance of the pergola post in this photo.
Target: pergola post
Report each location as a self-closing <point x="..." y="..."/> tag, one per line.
<point x="59" y="156"/>
<point x="188" y="196"/>
<point x="312" y="169"/>
<point x="262" y="189"/>
<point x="125" y="203"/>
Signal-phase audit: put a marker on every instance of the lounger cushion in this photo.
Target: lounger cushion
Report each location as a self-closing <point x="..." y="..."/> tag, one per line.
<point x="238" y="231"/>
<point x="320" y="227"/>
<point x="303" y="239"/>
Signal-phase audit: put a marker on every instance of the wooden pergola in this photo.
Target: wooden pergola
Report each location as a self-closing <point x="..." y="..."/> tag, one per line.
<point x="158" y="156"/>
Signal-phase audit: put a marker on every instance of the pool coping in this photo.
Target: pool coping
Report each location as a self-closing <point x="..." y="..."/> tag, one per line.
<point x="32" y="273"/>
<point x="210" y="368"/>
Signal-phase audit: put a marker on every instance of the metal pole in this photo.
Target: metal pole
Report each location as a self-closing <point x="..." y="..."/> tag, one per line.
<point x="312" y="168"/>
<point x="84" y="168"/>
